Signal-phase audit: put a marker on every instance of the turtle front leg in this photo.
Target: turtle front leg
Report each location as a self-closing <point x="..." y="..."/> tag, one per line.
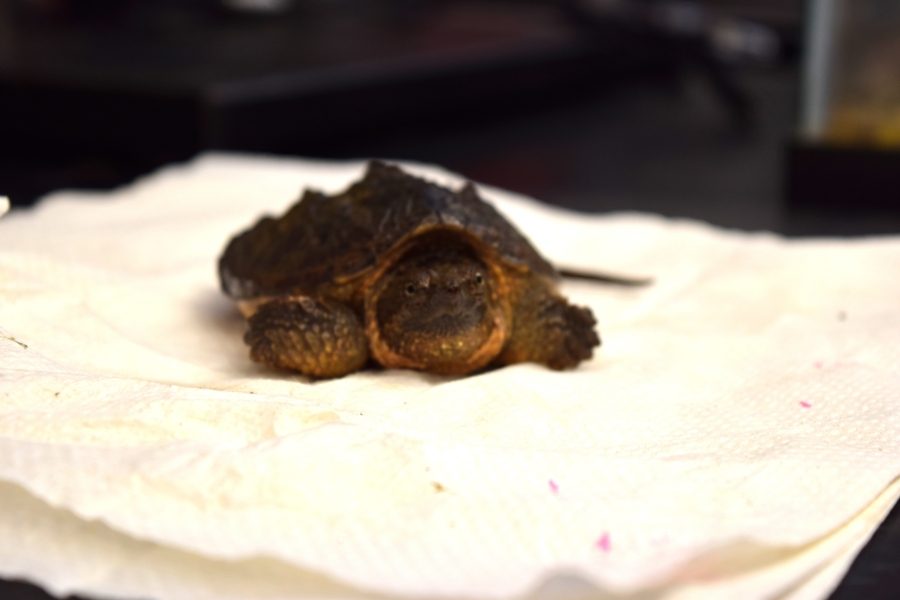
<point x="550" y="331"/>
<point x="318" y="338"/>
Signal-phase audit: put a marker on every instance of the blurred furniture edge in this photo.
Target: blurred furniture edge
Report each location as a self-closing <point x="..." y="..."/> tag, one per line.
<point x="114" y="120"/>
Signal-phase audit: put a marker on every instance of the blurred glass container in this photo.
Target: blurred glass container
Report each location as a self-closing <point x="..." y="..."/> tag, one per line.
<point x="851" y="87"/>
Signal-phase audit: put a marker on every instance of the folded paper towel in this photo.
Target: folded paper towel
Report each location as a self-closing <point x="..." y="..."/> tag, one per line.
<point x="737" y="433"/>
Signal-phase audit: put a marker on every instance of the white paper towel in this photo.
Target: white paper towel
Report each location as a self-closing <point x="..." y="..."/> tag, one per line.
<point x="737" y="433"/>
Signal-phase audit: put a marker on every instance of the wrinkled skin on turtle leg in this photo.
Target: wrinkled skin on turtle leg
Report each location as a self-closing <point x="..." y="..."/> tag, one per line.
<point x="319" y="338"/>
<point x="547" y="329"/>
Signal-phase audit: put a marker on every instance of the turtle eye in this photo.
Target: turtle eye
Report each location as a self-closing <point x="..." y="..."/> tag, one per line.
<point x="410" y="289"/>
<point x="479" y="279"/>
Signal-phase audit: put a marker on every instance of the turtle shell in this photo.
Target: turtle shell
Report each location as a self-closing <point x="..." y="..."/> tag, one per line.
<point x="334" y="239"/>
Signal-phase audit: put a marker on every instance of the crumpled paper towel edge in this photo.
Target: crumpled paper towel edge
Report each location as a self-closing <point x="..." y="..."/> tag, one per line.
<point x="825" y="579"/>
<point x="148" y="555"/>
<point x="828" y="558"/>
<point x="785" y="553"/>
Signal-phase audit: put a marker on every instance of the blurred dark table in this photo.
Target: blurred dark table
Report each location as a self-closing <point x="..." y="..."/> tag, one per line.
<point x="518" y="99"/>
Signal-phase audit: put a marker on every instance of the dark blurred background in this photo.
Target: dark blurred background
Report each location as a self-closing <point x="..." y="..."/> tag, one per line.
<point x="686" y="108"/>
<point x="681" y="107"/>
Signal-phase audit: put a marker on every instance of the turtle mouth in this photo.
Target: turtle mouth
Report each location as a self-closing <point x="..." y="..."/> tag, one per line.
<point x="448" y="323"/>
<point x="442" y="341"/>
<point x="439" y="337"/>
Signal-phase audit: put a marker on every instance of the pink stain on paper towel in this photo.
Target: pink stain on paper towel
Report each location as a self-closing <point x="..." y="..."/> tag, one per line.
<point x="554" y="487"/>
<point x="603" y="542"/>
<point x="805" y="404"/>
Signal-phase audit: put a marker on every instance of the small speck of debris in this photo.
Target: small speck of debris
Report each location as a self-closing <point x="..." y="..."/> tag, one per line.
<point x="12" y="339"/>
<point x="842" y="315"/>
<point x="56" y="394"/>
<point x="438" y="487"/>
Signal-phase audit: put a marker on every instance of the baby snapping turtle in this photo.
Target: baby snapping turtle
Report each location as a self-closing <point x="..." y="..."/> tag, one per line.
<point x="402" y="271"/>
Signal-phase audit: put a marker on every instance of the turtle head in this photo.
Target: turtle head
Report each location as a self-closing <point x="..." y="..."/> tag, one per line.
<point x="436" y="309"/>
